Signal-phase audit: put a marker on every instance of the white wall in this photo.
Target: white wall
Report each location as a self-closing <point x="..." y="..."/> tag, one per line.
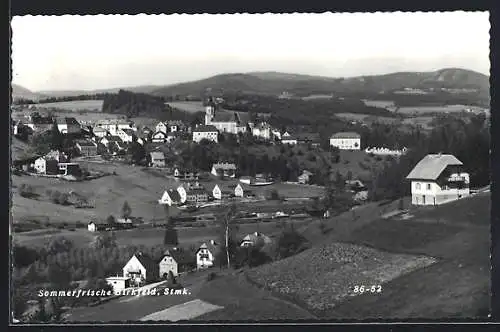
<point x="198" y="136"/>
<point x="346" y="143"/>
<point x="134" y="265"/>
<point x="204" y="262"/>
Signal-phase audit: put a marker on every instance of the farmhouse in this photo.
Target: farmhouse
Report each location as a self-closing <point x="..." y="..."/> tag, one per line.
<point x="127" y="135"/>
<point x="185" y="174"/>
<point x="255" y="240"/>
<point x="177" y="261"/>
<point x="124" y="223"/>
<point x="207" y="132"/>
<point x="157" y="159"/>
<point x="40" y="124"/>
<point x="438" y="179"/>
<point x="114" y="125"/>
<point x="57" y="155"/>
<point x="118" y="283"/>
<point x="95" y="226"/>
<point x="86" y="148"/>
<point x="224" y="169"/>
<point x="305" y="177"/>
<point x="44" y="165"/>
<point x="308" y="138"/>
<point x="69" y="126"/>
<point x="206" y="253"/>
<point x="170" y="197"/>
<point x="346" y="141"/>
<point x="112" y="142"/>
<point x="141" y="269"/>
<point x="226" y="122"/>
<point x="159" y="137"/>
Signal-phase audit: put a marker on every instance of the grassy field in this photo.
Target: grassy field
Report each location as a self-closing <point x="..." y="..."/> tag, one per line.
<point x="457" y="285"/>
<point x="435" y="109"/>
<point x="387" y="104"/>
<point x="76" y="105"/>
<point x="188" y="106"/>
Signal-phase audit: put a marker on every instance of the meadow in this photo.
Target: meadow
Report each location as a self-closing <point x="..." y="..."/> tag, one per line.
<point x="435" y="109"/>
<point x="77" y="105"/>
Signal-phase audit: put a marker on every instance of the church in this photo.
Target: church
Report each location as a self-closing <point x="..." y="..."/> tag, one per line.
<point x="226" y="121"/>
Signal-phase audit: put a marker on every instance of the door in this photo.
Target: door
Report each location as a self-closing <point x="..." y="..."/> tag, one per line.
<point x="423" y="199"/>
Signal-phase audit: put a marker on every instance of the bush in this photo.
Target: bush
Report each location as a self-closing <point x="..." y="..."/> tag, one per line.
<point x="26" y="190"/>
<point x="211" y="276"/>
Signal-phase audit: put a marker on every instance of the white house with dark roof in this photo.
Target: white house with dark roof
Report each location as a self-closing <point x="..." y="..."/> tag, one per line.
<point x="225" y="121"/>
<point x="206" y="253"/>
<point x="161" y="127"/>
<point x="127" y="135"/>
<point x="68" y="125"/>
<point x="86" y="148"/>
<point x="346" y="141"/>
<point x="262" y="130"/>
<point x="99" y="132"/>
<point x="207" y="132"/>
<point x="438" y="179"/>
<point x="159" y="137"/>
<point x="157" y="159"/>
<point x="170" y="197"/>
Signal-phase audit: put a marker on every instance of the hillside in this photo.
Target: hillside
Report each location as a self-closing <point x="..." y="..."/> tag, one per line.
<point x="442" y="252"/>
<point x="19" y="92"/>
<point x="303" y="85"/>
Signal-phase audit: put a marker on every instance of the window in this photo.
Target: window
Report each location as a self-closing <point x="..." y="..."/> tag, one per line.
<point x="417" y="186"/>
<point x="428" y="186"/>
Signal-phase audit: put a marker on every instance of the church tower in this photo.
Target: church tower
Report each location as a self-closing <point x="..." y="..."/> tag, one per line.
<point x="209" y="111"/>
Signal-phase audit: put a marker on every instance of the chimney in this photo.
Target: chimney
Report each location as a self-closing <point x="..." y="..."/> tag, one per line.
<point x="212" y="242"/>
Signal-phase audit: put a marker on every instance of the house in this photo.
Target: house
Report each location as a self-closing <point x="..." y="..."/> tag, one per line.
<point x="218" y="193"/>
<point x="355" y="185"/>
<point x="112" y="126"/>
<point x="161" y="127"/>
<point x="159" y="137"/>
<point x="438" y="179"/>
<point x="225" y="121"/>
<point x="186" y="174"/>
<point x="127" y="135"/>
<point x="276" y="134"/>
<point x="177" y="261"/>
<point x="69" y="125"/>
<point x="119" y="283"/>
<point x="196" y="195"/>
<point x="238" y="191"/>
<point x="86" y="148"/>
<point x="99" y="132"/>
<point x="289" y="139"/>
<point x="207" y="132"/>
<point x="141" y="269"/>
<point x="255" y="240"/>
<point x="305" y="177"/>
<point x="385" y="151"/>
<point x="206" y="253"/>
<point x="107" y="141"/>
<point x="182" y="194"/>
<point x="157" y="159"/>
<point x="124" y="223"/>
<point x="224" y="169"/>
<point x="57" y="155"/>
<point x="346" y="141"/>
<point x="44" y="165"/>
<point x="170" y="197"/>
<point x="69" y="169"/>
<point x="171" y="137"/>
<point x="262" y="130"/>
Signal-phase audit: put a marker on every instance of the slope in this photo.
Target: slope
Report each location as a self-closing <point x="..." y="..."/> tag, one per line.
<point x="19" y="92"/>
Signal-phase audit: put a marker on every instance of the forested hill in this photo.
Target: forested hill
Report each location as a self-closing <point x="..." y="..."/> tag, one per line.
<point x="133" y="104"/>
<point x="275" y="83"/>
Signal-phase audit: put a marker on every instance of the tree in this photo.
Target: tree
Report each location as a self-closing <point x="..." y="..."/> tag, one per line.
<point x="226" y="228"/>
<point x="105" y="240"/>
<point x="290" y="243"/>
<point x="56" y="138"/>
<point x="137" y="152"/>
<point x="126" y="210"/>
<point x="111" y="220"/>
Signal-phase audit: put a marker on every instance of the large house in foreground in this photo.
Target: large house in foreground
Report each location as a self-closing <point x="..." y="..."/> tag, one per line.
<point x="207" y="132"/>
<point x="206" y="253"/>
<point x="141" y="269"/>
<point x="438" y="179"/>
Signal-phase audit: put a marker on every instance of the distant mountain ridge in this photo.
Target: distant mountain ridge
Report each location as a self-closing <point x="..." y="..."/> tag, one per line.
<point x="274" y="83"/>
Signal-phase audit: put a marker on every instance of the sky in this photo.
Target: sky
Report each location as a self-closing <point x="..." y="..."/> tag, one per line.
<point x="108" y="51"/>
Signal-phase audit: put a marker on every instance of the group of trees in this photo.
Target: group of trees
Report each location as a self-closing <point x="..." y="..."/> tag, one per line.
<point x="133" y="104"/>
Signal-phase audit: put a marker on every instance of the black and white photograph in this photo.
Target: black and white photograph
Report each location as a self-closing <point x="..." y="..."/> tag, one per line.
<point x="203" y="168"/>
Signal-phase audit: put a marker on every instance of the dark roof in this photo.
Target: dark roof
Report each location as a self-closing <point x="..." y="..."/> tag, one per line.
<point x="113" y="138"/>
<point x="181" y="256"/>
<point x="196" y="191"/>
<point x="208" y="245"/>
<point x="71" y="121"/>
<point x="146" y="261"/>
<point x="204" y="128"/>
<point x="85" y="143"/>
<point x="174" y="195"/>
<point x="174" y="123"/>
<point x="346" y="134"/>
<point x="312" y="137"/>
<point x="226" y="117"/>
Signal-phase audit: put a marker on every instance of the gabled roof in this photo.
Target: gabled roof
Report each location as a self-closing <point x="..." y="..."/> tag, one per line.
<point x="174" y="123"/>
<point x="196" y="191"/>
<point x="312" y="137"/>
<point x="181" y="256"/>
<point x="206" y="129"/>
<point x="224" y="166"/>
<point x="346" y="134"/>
<point x="211" y="247"/>
<point x="85" y="143"/>
<point x="257" y="238"/>
<point x="174" y="195"/>
<point x="129" y="131"/>
<point x="71" y="121"/>
<point x="432" y="165"/>
<point x="159" y="132"/>
<point x="146" y="261"/>
<point x="226" y="117"/>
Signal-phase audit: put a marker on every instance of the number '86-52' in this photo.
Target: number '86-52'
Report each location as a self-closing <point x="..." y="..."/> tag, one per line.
<point x="368" y="289"/>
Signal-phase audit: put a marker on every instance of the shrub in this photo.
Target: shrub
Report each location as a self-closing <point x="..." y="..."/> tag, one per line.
<point x="26" y="190"/>
<point x="211" y="276"/>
